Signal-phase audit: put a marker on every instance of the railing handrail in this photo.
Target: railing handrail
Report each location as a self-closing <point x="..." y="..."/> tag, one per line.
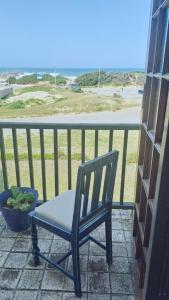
<point x="87" y="126"/>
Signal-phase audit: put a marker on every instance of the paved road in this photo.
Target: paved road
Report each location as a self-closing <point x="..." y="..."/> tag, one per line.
<point x="128" y="93"/>
<point x="130" y="115"/>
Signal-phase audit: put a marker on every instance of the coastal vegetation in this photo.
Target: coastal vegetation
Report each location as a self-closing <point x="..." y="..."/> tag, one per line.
<point x="113" y="79"/>
<point x="35" y="78"/>
<point x="85" y="80"/>
<point x="27" y="79"/>
<point x="54" y="79"/>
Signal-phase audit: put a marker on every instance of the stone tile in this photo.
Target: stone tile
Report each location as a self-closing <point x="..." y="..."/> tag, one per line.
<point x="84" y="249"/>
<point x="130" y="249"/>
<point x="99" y="234"/>
<point x="55" y="257"/>
<point x="116" y="213"/>
<point x="121" y="284"/>
<point x="83" y="263"/>
<point x="60" y="246"/>
<point x="53" y="280"/>
<point x="127" y="224"/>
<point x="72" y="296"/>
<point x="97" y="263"/>
<point x="30" y="279"/>
<point x="123" y="297"/>
<point x="98" y="282"/>
<point x="69" y="285"/>
<point x="26" y="295"/>
<point x="6" y="295"/>
<point x="118" y="236"/>
<point x="120" y="265"/>
<point x="96" y="250"/>
<point x="25" y="234"/>
<point x="7" y="233"/>
<point x="117" y="224"/>
<point x="2" y="221"/>
<point x="134" y="272"/>
<point x="6" y="244"/>
<point x="2" y="227"/>
<point x="16" y="260"/>
<point x="128" y="236"/>
<point x="119" y="249"/>
<point x="31" y="265"/>
<point x="50" y="295"/>
<point x="102" y="225"/>
<point x="127" y="214"/>
<point x="3" y="256"/>
<point x="99" y="297"/>
<point x="22" y="245"/>
<point x="9" y="278"/>
<point x="45" y="234"/>
<point x="44" y="245"/>
<point x="57" y="237"/>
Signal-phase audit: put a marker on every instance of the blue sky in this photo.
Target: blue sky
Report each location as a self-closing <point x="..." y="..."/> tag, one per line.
<point x="73" y="33"/>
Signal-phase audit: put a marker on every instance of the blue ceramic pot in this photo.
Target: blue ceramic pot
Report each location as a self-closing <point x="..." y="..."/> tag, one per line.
<point x="16" y="219"/>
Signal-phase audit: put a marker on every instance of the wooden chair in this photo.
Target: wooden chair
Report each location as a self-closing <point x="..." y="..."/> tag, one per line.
<point x="72" y="215"/>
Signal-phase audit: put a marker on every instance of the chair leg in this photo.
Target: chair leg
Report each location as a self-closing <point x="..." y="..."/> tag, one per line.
<point x="35" y="249"/>
<point x="76" y="268"/>
<point x="108" y="231"/>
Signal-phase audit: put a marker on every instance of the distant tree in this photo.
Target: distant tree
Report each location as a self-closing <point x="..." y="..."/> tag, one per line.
<point x="88" y="79"/>
<point x="11" y="80"/>
<point x="95" y="78"/>
<point x="60" y="79"/>
<point x="108" y="78"/>
<point x="47" y="77"/>
<point x="27" y="79"/>
<point x="54" y="79"/>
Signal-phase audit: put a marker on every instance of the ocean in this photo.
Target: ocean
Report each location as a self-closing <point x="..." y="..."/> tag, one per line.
<point x="68" y="71"/>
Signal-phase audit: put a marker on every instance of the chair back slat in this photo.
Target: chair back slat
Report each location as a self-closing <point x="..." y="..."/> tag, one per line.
<point x="111" y="180"/>
<point x="86" y="194"/>
<point x="84" y="208"/>
<point x="105" y="186"/>
<point x="96" y="188"/>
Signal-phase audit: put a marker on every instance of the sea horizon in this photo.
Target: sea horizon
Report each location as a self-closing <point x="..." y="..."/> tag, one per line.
<point x="67" y="71"/>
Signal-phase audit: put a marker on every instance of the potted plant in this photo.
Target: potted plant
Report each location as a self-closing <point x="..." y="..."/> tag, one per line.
<point x="15" y="204"/>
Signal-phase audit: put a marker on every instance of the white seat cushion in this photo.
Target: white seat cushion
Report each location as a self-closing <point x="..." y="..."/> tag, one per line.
<point x="58" y="211"/>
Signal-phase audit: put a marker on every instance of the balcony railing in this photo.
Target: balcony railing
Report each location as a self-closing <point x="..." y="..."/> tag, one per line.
<point x="46" y="155"/>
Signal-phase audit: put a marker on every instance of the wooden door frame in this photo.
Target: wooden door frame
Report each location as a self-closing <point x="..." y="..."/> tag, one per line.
<point x="159" y="244"/>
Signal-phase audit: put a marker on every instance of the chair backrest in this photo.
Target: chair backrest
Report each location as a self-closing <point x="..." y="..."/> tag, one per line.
<point x="85" y="207"/>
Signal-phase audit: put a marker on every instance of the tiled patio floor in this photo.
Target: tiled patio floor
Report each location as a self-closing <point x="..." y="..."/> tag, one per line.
<point x="21" y="280"/>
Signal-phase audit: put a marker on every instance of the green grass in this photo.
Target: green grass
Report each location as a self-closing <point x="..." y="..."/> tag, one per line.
<point x="19" y="104"/>
<point x="35" y="88"/>
<point x="76" y="159"/>
<point x="16" y="105"/>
